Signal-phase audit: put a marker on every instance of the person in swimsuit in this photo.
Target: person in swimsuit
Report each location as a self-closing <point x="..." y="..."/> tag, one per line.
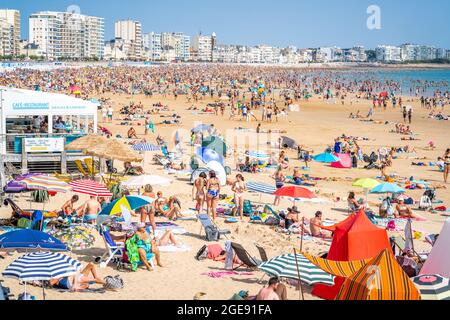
<point x="172" y="209"/>
<point x="149" y="210"/>
<point x="212" y="196"/>
<point x="67" y="209"/>
<point x="239" y="188"/>
<point x="146" y="246"/>
<point x="160" y="204"/>
<point x="79" y="281"/>
<point x="403" y="211"/>
<point x="279" y="183"/>
<point x="446" y="164"/>
<point x="198" y="191"/>
<point x="91" y="209"/>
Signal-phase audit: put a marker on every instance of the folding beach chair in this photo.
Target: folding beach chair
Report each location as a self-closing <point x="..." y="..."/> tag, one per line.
<point x="113" y="249"/>
<point x="264" y="258"/>
<point x="206" y="221"/>
<point x="91" y="167"/>
<point x="243" y="255"/>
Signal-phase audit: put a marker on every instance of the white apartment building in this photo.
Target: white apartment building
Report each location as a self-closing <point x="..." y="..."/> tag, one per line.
<point x="68" y="35"/>
<point x="203" y="47"/>
<point x="329" y="54"/>
<point x="389" y="53"/>
<point x="10" y="29"/>
<point x="131" y="33"/>
<point x="153" y="46"/>
<point x="179" y="42"/>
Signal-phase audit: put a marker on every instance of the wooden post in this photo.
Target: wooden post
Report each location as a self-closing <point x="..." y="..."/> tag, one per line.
<point x="64" y="159"/>
<point x="24" y="158"/>
<point x="299" y="278"/>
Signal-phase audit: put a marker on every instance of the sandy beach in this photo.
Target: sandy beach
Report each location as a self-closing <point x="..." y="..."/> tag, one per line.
<point x="315" y="127"/>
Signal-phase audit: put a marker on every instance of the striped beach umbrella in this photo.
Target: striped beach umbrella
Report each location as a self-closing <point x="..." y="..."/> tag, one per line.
<point x="433" y="287"/>
<point x="261" y="187"/>
<point x="39" y="266"/>
<point x="146" y="147"/>
<point x="47" y="183"/>
<point x="90" y="187"/>
<point x="285" y="266"/>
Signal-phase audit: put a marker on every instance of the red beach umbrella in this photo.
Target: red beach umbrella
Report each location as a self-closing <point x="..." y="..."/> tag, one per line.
<point x="295" y="192"/>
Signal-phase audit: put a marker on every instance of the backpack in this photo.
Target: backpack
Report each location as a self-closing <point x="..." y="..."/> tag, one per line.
<point x="113" y="283"/>
<point x="202" y="254"/>
<point x="212" y="233"/>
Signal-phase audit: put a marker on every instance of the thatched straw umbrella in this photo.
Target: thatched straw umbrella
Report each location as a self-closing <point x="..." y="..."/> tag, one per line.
<point x="114" y="150"/>
<point x="86" y="142"/>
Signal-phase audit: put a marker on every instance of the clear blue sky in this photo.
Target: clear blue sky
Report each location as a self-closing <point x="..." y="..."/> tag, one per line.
<point x="302" y="23"/>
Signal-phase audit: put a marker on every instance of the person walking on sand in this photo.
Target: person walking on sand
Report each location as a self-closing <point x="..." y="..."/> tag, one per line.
<point x="409" y="115"/>
<point x="279" y="183"/>
<point x="212" y="195"/>
<point x="110" y="114"/>
<point x="239" y="188"/>
<point x="446" y="164"/>
<point x="198" y="192"/>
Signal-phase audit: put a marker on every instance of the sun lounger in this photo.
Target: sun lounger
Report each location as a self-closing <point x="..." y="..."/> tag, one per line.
<point x="206" y="221"/>
<point x="91" y="167"/>
<point x="113" y="249"/>
<point x="81" y="169"/>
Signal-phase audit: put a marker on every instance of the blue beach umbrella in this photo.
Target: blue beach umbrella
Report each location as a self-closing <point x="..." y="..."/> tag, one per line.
<point x="208" y="155"/>
<point x="30" y="240"/>
<point x="326" y="158"/>
<point x="387" y="188"/>
<point x="130" y="202"/>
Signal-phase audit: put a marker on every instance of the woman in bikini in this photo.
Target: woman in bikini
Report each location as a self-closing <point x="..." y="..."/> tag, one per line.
<point x="403" y="211"/>
<point x="212" y="196"/>
<point x="199" y="191"/>
<point x="446" y="164"/>
<point x="173" y="209"/>
<point x="80" y="281"/>
<point x="148" y="211"/>
<point x="279" y="183"/>
<point x="239" y="188"/>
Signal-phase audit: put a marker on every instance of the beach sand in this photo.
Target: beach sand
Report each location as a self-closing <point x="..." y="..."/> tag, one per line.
<point x="315" y="126"/>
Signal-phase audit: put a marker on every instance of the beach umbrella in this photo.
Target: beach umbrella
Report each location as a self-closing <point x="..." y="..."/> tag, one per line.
<point x="366" y="183"/>
<point x="285" y="266"/>
<point x="201" y="128"/>
<point x="387" y="188"/>
<point x="41" y="266"/>
<point x="295" y="192"/>
<point x="207" y="155"/>
<point x="44" y="182"/>
<point x="90" y="187"/>
<point x="146" y="147"/>
<point x="261" y="187"/>
<point x="30" y="240"/>
<point x="433" y="287"/>
<point x="196" y="174"/>
<point x="142" y="180"/>
<point x="86" y="142"/>
<point x="129" y="202"/>
<point x="326" y="158"/>
<point x="219" y="170"/>
<point x="76" y="238"/>
<point x="114" y="150"/>
<point x="383" y="94"/>
<point x="15" y="187"/>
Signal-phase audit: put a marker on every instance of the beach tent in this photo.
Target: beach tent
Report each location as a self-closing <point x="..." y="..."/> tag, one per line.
<point x="326" y="157"/>
<point x="438" y="261"/>
<point x="345" y="161"/>
<point x="219" y="170"/>
<point x="287" y="142"/>
<point x="216" y="144"/>
<point x="381" y="279"/>
<point x="207" y="155"/>
<point x="355" y="238"/>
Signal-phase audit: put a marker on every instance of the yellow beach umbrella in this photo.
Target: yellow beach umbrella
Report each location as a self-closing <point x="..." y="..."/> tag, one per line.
<point x="366" y="183"/>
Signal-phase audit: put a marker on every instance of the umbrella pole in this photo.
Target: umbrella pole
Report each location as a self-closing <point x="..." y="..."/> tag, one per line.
<point x="43" y="290"/>
<point x="301" y="235"/>
<point x="300" y="294"/>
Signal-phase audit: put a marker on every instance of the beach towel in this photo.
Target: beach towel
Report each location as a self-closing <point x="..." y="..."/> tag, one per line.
<point x="173" y="248"/>
<point x="221" y="274"/>
<point x="214" y="250"/>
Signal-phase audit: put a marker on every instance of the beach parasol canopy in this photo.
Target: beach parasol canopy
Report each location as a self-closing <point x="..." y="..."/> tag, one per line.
<point x="382" y="278"/>
<point x="433" y="287"/>
<point x="201" y="128"/>
<point x="86" y="142"/>
<point x="15" y="187"/>
<point x="438" y="261"/>
<point x="42" y="266"/>
<point x="259" y="187"/>
<point x="366" y="183"/>
<point x="76" y="238"/>
<point x="47" y="183"/>
<point x="90" y="187"/>
<point x="326" y="158"/>
<point x="129" y="202"/>
<point x="30" y="240"/>
<point x="285" y="266"/>
<point x="387" y="188"/>
<point x="146" y="147"/>
<point x="216" y="144"/>
<point x="113" y="149"/>
<point x="295" y="192"/>
<point x="207" y="155"/>
<point x="143" y="180"/>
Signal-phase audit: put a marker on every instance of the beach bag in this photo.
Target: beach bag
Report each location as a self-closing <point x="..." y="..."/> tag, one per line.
<point x="113" y="283"/>
<point x="24" y="223"/>
<point x="212" y="233"/>
<point x="202" y="254"/>
<point x="272" y="221"/>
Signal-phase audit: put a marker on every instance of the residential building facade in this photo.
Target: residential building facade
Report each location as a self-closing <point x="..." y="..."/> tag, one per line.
<point x="10" y="29"/>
